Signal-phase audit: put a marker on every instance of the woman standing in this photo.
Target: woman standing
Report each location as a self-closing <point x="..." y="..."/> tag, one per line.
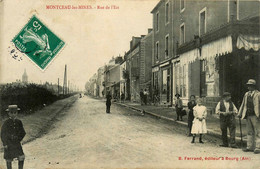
<point x="178" y="106"/>
<point x="192" y="103"/>
<point x="199" y="122"/>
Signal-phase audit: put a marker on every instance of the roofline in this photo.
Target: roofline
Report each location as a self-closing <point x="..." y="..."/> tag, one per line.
<point x="157" y="6"/>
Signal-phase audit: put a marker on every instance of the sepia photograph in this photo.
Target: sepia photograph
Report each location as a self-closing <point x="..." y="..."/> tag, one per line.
<point x="129" y="84"/>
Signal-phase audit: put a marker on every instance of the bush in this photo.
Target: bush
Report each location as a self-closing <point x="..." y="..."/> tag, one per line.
<point x="27" y="96"/>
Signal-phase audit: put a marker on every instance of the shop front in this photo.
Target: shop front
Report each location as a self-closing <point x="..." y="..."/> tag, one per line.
<point x="186" y="75"/>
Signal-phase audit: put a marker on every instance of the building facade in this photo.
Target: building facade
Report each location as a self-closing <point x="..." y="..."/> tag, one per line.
<point x="197" y="46"/>
<point x="211" y="51"/>
<point x="132" y="58"/>
<point x="163" y="51"/>
<point x="146" y="62"/>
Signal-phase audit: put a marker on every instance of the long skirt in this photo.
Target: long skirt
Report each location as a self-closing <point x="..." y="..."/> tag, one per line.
<point x="199" y="127"/>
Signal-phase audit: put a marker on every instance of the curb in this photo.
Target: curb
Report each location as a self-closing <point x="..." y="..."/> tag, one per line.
<point x="210" y="132"/>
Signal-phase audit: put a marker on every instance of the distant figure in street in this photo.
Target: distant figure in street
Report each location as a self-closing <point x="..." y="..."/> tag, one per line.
<point x="145" y="96"/>
<point x="227" y="111"/>
<point x="12" y="133"/>
<point x="141" y="96"/>
<point x="192" y="103"/>
<point x="178" y="106"/>
<point x="249" y="109"/>
<point x="199" y="122"/>
<point x="122" y="97"/>
<point x="108" y="102"/>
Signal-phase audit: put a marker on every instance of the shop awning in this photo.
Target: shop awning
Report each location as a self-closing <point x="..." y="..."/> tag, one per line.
<point x="219" y="47"/>
<point x="189" y="56"/>
<point x="248" y="42"/>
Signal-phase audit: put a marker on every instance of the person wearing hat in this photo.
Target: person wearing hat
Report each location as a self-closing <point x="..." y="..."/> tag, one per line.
<point x="12" y="133"/>
<point x="249" y="110"/>
<point x="178" y="106"/>
<point x="227" y="111"/>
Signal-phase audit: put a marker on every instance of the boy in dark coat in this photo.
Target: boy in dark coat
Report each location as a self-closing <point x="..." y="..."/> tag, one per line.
<point x="12" y="133"/>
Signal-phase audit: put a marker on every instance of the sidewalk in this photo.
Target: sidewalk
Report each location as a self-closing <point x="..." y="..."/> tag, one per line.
<point x="166" y="113"/>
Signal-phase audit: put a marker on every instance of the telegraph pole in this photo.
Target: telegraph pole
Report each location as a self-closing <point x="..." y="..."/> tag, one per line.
<point x="69" y="87"/>
<point x="65" y="81"/>
<point x="58" y="86"/>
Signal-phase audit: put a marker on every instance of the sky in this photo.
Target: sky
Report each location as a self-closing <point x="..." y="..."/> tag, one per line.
<point x="92" y="36"/>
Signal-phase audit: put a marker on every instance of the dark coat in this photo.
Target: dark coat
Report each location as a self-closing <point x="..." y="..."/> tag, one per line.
<point x="12" y="133"/>
<point x="108" y="102"/>
<point x="190" y="106"/>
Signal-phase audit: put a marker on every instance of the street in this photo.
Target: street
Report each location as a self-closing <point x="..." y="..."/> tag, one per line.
<point x="84" y="136"/>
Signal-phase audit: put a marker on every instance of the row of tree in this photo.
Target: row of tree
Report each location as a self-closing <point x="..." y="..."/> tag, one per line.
<point x="28" y="97"/>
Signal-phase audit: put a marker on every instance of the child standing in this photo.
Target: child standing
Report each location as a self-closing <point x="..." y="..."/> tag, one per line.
<point x="178" y="106"/>
<point x="12" y="133"/>
<point x="191" y="104"/>
<point x="199" y="122"/>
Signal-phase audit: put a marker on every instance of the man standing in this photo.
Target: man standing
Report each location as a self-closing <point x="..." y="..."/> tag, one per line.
<point x="142" y="96"/>
<point x="145" y="96"/>
<point x="249" y="109"/>
<point x="226" y="111"/>
<point x="108" y="102"/>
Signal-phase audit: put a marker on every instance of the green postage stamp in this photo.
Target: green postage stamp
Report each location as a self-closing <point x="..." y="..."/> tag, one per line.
<point x="38" y="42"/>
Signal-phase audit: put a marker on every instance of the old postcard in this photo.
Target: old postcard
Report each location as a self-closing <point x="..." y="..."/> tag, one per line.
<point x="129" y="84"/>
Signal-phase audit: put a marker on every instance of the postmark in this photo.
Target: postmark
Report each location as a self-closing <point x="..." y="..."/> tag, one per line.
<point x="38" y="42"/>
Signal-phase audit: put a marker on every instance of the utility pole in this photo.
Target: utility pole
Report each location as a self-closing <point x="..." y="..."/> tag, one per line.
<point x="69" y="87"/>
<point x="65" y="81"/>
<point x="58" y="86"/>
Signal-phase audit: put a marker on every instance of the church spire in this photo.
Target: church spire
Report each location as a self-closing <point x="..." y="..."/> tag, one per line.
<point x="25" y="77"/>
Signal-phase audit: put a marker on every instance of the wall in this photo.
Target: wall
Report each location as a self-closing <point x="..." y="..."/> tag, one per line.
<point x="164" y="30"/>
<point x="248" y="8"/>
<point x="114" y="75"/>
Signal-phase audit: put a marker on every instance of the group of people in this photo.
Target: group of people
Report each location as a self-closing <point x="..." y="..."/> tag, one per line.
<point x="12" y="131"/>
<point x="227" y="112"/>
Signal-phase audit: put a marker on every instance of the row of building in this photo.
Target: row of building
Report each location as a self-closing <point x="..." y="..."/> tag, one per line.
<point x="201" y="48"/>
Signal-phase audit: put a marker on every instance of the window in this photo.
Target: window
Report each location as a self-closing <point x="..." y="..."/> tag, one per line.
<point x="177" y="77"/>
<point x="167" y="46"/>
<point x="167" y="13"/>
<point x="202" y="22"/>
<point x="164" y="80"/>
<point x="181" y="79"/>
<point x="182" y="5"/>
<point x="157" y="21"/>
<point x="155" y="82"/>
<point x="184" y="81"/>
<point x="157" y="51"/>
<point x="182" y="33"/>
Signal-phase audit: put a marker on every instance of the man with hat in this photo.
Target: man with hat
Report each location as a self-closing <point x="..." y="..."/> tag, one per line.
<point x="249" y="110"/>
<point x="12" y="133"/>
<point x="226" y="111"/>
